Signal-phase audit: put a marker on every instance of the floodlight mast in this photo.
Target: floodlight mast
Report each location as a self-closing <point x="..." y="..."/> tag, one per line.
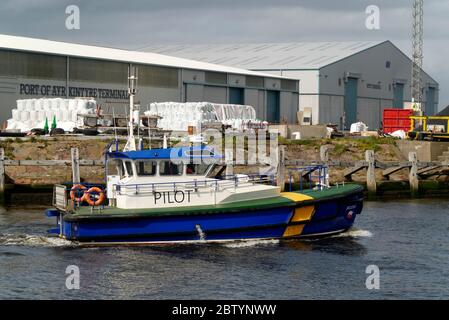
<point x="417" y="52"/>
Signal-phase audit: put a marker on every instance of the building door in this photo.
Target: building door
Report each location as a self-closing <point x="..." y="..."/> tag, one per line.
<point x="398" y="100"/>
<point x="273" y="109"/>
<point x="215" y="94"/>
<point x="193" y="93"/>
<point x="236" y="96"/>
<point x="430" y="101"/>
<point x="350" y="102"/>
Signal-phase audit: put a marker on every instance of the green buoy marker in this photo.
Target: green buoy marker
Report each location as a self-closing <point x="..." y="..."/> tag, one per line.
<point x="46" y="125"/>
<point x="53" y="124"/>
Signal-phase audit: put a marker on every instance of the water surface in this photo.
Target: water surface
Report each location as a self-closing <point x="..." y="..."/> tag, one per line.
<point x="407" y="239"/>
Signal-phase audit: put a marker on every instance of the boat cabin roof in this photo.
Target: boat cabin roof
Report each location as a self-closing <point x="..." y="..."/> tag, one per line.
<point x="185" y="153"/>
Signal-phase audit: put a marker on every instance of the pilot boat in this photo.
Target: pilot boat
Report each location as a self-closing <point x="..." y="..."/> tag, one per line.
<point x="168" y="195"/>
<point x="181" y="194"/>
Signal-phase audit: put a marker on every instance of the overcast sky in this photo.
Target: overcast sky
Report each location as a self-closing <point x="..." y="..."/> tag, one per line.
<point x="134" y="24"/>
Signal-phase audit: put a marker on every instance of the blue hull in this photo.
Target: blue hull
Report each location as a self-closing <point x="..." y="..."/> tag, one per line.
<point x="329" y="216"/>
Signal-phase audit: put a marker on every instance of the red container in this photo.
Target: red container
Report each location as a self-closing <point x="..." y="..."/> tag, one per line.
<point x="396" y="119"/>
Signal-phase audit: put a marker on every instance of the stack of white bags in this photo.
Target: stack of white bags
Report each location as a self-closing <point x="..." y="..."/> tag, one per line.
<point x="179" y="116"/>
<point x="31" y="113"/>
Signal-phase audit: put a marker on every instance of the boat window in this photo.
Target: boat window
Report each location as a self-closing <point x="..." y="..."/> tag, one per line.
<point x="114" y="167"/>
<point x="146" y="168"/>
<point x="197" y="169"/>
<point x="129" y="168"/>
<point x="217" y="172"/>
<point x="168" y="168"/>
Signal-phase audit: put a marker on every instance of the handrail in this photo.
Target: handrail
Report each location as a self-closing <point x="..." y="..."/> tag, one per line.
<point x="196" y="184"/>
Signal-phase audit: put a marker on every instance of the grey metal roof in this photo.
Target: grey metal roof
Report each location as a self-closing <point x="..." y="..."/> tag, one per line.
<point x="268" y="56"/>
<point x="79" y="50"/>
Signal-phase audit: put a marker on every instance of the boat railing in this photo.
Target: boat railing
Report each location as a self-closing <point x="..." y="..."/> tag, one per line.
<point x="195" y="185"/>
<point x="69" y="196"/>
<point x="309" y="177"/>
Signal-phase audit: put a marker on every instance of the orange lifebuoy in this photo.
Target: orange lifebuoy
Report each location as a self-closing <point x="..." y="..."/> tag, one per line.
<point x="93" y="192"/>
<point x="76" y="189"/>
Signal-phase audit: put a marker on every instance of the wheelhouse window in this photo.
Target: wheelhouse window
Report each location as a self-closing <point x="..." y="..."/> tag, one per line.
<point x="128" y="168"/>
<point x="146" y="168"/>
<point x="168" y="168"/>
<point x="115" y="168"/>
<point x="197" y="169"/>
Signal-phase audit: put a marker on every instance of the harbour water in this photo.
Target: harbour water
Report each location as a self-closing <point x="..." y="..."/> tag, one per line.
<point x="407" y="240"/>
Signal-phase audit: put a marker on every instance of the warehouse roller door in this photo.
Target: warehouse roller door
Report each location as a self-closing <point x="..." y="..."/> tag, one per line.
<point x="398" y="101"/>
<point x="350" y="102"/>
<point x="193" y="93"/>
<point x="236" y="96"/>
<point x="215" y="94"/>
<point x="430" y="101"/>
<point x="273" y="107"/>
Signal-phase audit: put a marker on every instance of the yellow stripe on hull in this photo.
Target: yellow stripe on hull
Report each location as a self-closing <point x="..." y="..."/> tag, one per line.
<point x="293" y="231"/>
<point x="301" y="214"/>
<point x="296" y="197"/>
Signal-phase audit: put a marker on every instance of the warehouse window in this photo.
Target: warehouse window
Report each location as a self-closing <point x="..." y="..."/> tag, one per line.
<point x="98" y="71"/>
<point x="32" y="65"/>
<point x="388" y="64"/>
<point x="162" y="77"/>
<point x="256" y="82"/>
<point x="216" y="78"/>
<point x="288" y="85"/>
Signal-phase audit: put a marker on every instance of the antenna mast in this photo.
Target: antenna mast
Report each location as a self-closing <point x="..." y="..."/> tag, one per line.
<point x="417" y="55"/>
<point x="133" y="109"/>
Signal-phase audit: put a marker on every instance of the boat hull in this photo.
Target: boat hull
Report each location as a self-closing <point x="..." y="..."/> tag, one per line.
<point x="294" y="215"/>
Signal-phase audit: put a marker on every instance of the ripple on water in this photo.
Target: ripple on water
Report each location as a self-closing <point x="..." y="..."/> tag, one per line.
<point x="354" y="233"/>
<point x="249" y="243"/>
<point x="33" y="241"/>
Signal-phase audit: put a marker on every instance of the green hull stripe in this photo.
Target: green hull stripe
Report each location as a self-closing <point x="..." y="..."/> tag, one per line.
<point x="84" y="213"/>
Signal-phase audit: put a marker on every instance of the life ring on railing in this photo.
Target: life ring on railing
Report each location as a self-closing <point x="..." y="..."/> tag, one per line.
<point x="91" y="196"/>
<point x="75" y="191"/>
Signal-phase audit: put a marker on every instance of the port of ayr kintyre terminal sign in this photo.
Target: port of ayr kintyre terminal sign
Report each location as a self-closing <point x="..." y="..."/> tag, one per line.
<point x="62" y="91"/>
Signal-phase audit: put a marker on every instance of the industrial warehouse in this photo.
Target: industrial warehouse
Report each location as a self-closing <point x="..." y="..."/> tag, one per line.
<point x="340" y="82"/>
<point x="34" y="68"/>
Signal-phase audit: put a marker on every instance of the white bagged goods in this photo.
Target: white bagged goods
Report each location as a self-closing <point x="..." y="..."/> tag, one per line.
<point x="49" y="115"/>
<point x="399" y="134"/>
<point x="73" y="104"/>
<point x="358" y="127"/>
<point x="46" y="105"/>
<point x="34" y="115"/>
<point x="24" y="115"/>
<point x="41" y="116"/>
<point x="64" y="115"/>
<point x="38" y="105"/>
<point x="74" y="116"/>
<point x="54" y="104"/>
<point x="11" y="124"/>
<point x="15" y="115"/>
<point x="178" y="116"/>
<point x="31" y="113"/>
<point x="20" y="105"/>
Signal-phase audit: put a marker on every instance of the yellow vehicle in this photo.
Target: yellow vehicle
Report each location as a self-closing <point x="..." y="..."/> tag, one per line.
<point x="426" y="131"/>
